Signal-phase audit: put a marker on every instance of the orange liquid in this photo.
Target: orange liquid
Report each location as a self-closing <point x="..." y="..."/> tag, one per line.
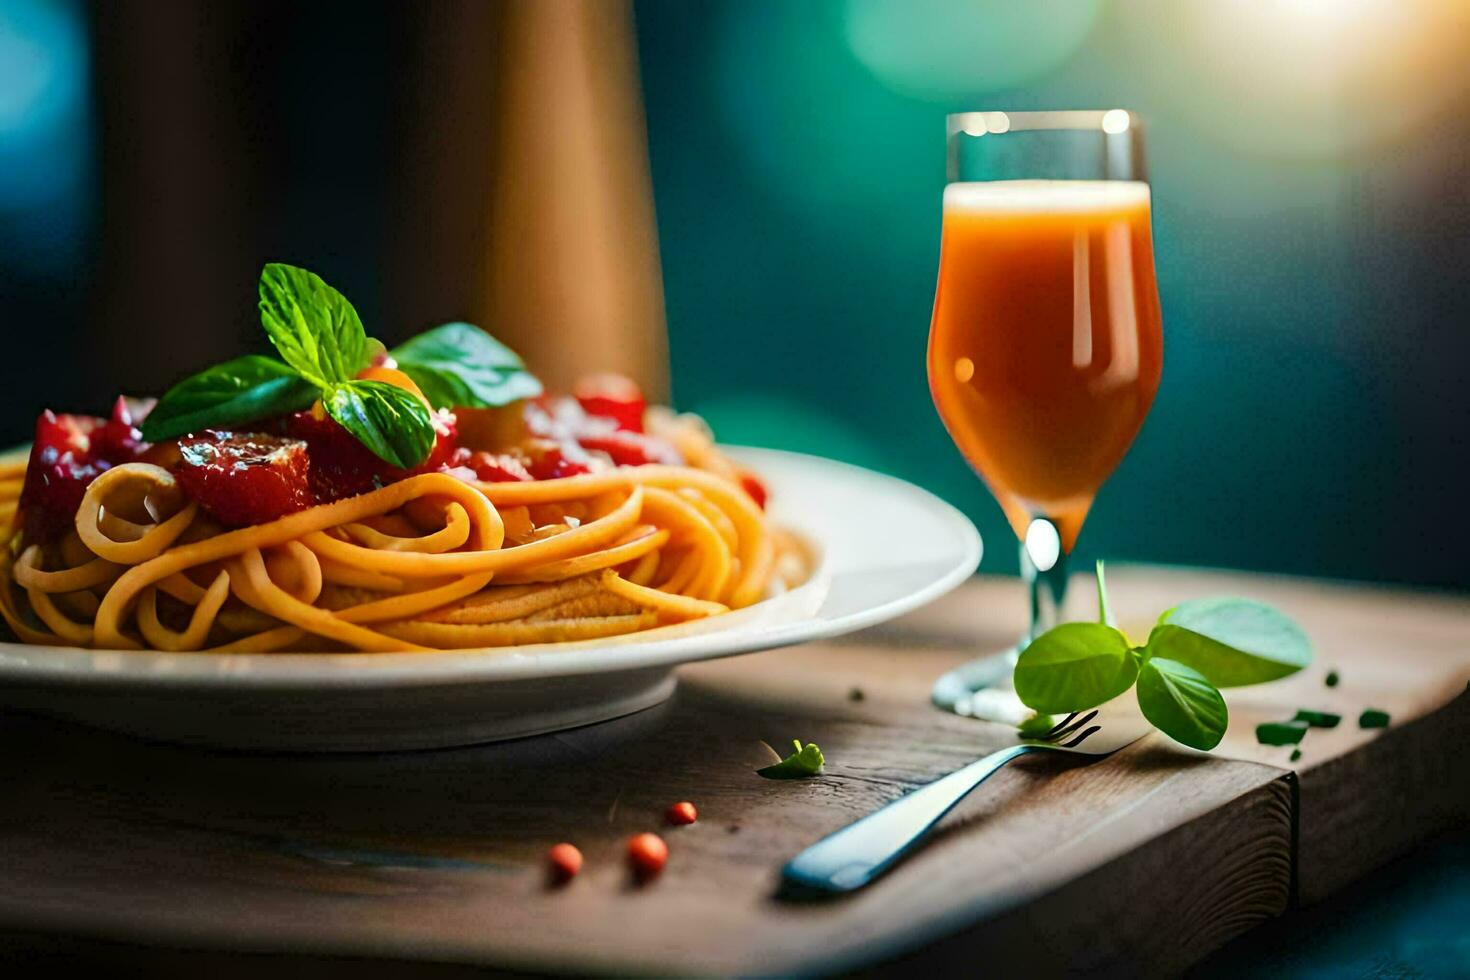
<point x="1046" y="344"/>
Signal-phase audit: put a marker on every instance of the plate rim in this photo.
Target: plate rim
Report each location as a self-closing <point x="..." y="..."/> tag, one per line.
<point x="304" y="671"/>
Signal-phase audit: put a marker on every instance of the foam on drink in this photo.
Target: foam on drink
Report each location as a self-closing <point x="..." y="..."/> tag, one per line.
<point x="1046" y="196"/>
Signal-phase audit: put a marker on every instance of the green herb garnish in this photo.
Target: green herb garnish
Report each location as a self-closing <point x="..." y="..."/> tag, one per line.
<point x="1281" y="732"/>
<point x="1182" y="703"/>
<point x="243" y="390"/>
<point x="1296" y="754"/>
<point x="1037" y="725"/>
<point x="323" y="347"/>
<point x="1332" y="678"/>
<point x="461" y="366"/>
<point x="1373" y="718"/>
<point x="805" y="760"/>
<point x="1318" y="719"/>
<point x="1196" y="648"/>
<point x="314" y="327"/>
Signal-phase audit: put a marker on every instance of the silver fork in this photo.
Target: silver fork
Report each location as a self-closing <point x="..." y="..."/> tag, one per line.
<point x="853" y="856"/>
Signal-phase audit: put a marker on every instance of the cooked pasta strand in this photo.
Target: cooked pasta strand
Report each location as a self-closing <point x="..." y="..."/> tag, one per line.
<point x="428" y="562"/>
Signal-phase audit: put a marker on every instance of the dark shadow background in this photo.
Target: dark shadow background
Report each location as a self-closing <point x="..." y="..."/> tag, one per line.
<point x="1309" y="162"/>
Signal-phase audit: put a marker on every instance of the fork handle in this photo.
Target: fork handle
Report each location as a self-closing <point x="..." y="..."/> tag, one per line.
<point x="853" y="856"/>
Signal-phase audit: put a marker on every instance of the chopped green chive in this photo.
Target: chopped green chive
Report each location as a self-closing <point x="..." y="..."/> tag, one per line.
<point x="1318" y="719"/>
<point x="1036" y="726"/>
<point x="805" y="760"/>
<point x="1296" y="754"/>
<point x="1281" y="732"/>
<point x="1373" y="718"/>
<point x="1332" y="678"/>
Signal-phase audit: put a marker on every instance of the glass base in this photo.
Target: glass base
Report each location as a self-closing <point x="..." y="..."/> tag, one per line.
<point x="982" y="689"/>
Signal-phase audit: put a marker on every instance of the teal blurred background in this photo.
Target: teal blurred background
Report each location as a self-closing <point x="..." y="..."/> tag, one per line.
<point x="1309" y="169"/>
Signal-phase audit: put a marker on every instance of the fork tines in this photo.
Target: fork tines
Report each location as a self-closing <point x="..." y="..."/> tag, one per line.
<point x="1068" y="725"/>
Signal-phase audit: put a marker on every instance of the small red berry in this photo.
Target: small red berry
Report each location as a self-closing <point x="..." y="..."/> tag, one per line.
<point x="565" y="861"/>
<point x="647" y="853"/>
<point x="682" y="813"/>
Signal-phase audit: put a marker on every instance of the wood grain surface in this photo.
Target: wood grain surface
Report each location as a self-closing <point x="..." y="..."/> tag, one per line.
<point x="1140" y="863"/>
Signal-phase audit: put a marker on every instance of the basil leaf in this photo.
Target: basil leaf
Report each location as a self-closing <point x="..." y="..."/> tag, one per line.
<point x="246" y="389"/>
<point x="1036" y="726"/>
<point x="1231" y="641"/>
<point x="805" y="761"/>
<point x="459" y="365"/>
<point x="390" y="421"/>
<point x="1181" y="703"/>
<point x="1074" y="666"/>
<point x="313" y="326"/>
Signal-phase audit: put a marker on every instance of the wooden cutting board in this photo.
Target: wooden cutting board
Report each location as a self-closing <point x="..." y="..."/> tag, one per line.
<point x="426" y="862"/>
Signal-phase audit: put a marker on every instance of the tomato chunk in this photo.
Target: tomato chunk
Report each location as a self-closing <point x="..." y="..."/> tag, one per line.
<point x="120" y="439"/>
<point x="556" y="461"/>
<point x="67" y="454"/>
<point x="493" y="467"/>
<point x="61" y="466"/>
<point x="612" y="396"/>
<point x="245" y="478"/>
<point x="632" y="448"/>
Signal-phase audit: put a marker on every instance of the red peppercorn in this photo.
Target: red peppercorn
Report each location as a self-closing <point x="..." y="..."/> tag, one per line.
<point x="647" y="853"/>
<point x="566" y="861"/>
<point x="682" y="813"/>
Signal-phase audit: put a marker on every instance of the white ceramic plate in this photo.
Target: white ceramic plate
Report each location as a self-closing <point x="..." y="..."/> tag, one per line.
<point x="884" y="547"/>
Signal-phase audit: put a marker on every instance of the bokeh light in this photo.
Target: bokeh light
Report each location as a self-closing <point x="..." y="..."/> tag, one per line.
<point x="960" y="49"/>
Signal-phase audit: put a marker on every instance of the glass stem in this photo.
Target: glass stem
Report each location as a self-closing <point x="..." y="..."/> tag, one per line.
<point x="1044" y="567"/>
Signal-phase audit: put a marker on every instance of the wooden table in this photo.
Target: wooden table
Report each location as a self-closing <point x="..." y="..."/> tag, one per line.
<point x="1144" y="862"/>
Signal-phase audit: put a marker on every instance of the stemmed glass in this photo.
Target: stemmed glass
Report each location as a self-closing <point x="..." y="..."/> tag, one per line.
<point x="1046" y="343"/>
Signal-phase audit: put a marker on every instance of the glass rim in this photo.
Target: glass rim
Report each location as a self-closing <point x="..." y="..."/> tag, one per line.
<point x="1111" y="122"/>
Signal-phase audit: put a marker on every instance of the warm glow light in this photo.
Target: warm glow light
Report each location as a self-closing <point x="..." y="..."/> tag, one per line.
<point x="1116" y="121"/>
<point x="1306" y="78"/>
<point x="964" y="370"/>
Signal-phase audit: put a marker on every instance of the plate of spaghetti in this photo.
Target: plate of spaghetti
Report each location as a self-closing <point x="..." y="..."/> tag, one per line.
<point x="347" y="547"/>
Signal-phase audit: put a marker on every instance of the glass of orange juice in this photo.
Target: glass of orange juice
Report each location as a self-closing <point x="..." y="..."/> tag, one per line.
<point x="1046" y="343"/>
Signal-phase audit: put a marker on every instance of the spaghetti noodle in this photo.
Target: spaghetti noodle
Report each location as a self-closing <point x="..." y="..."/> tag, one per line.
<point x="429" y="562"/>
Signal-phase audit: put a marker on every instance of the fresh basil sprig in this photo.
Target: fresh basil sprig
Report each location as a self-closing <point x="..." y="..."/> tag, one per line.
<point x="323" y="348"/>
<point x="459" y="365"/>
<point x="1196" y="648"/>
